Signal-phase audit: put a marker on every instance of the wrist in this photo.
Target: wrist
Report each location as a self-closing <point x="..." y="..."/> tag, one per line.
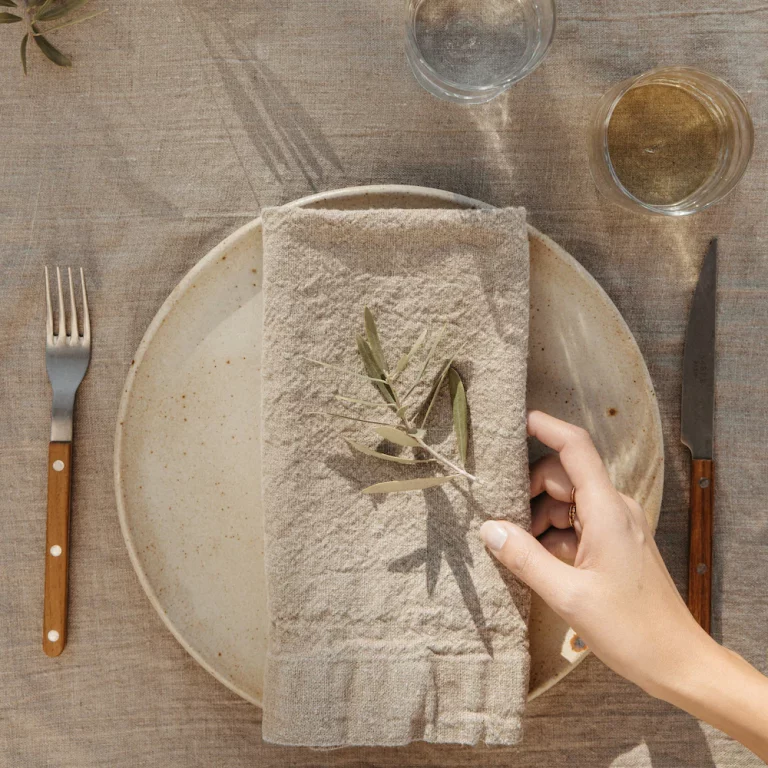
<point x="719" y="687"/>
<point x="702" y="663"/>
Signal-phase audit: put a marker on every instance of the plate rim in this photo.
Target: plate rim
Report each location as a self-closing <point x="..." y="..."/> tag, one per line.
<point x="191" y="275"/>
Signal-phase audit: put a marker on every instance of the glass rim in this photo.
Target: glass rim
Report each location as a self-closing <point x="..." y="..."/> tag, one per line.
<point x="532" y="63"/>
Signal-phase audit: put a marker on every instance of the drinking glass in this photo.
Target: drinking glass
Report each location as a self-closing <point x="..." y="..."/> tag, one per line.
<point x="733" y="137"/>
<point x="470" y="51"/>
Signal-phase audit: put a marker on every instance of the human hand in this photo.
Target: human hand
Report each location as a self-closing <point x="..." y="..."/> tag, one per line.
<point x="617" y="594"/>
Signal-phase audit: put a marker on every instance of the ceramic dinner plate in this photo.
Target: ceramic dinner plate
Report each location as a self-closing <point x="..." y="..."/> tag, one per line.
<point x="187" y="447"/>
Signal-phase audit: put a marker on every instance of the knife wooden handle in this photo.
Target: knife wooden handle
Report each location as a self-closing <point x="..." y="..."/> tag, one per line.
<point x="57" y="548"/>
<point x="700" y="541"/>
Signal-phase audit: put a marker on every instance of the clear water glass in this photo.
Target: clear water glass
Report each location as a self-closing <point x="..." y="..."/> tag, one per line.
<point x="735" y="137"/>
<point x="470" y="51"/>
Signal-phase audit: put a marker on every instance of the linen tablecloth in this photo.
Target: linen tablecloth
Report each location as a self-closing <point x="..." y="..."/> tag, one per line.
<point x="179" y="122"/>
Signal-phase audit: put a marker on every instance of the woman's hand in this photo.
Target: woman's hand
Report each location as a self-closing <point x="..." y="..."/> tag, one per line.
<point x="617" y="594"/>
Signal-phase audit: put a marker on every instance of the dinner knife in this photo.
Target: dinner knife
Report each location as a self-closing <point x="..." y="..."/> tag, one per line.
<point x="698" y="426"/>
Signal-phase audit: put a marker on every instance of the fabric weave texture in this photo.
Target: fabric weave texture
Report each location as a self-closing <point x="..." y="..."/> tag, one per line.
<point x="389" y="622"/>
<point x="176" y="124"/>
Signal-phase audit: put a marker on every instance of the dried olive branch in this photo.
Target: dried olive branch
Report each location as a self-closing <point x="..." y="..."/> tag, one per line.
<point x="31" y="13"/>
<point x="406" y="434"/>
<point x="396" y="406"/>
<point x="443" y="460"/>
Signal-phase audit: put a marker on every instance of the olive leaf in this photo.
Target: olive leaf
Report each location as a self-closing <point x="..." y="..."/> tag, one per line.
<point x="418" y="484"/>
<point x="436" y="389"/>
<point x="406" y="432"/>
<point x="402" y="363"/>
<point x="372" y="334"/>
<point x="460" y="418"/>
<point x="36" y="12"/>
<point x="385" y="456"/>
<point x="373" y="369"/>
<point x="60" y="10"/>
<point x="53" y="53"/>
<point x="397" y="436"/>
<point x="427" y="361"/>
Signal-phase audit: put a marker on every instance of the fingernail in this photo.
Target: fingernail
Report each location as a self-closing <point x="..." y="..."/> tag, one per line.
<point x="493" y="534"/>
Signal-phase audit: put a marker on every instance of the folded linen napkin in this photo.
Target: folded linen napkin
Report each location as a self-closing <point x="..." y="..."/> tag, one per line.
<point x="390" y="622"/>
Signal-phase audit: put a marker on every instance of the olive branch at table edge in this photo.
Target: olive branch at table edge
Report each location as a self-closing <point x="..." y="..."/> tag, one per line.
<point x="407" y="433"/>
<point x="33" y="13"/>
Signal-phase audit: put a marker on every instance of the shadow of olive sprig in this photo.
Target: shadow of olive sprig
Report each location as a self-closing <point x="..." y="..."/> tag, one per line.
<point x="410" y="429"/>
<point x="34" y="13"/>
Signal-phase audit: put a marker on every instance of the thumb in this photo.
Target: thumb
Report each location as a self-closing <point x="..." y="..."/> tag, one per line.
<point x="527" y="559"/>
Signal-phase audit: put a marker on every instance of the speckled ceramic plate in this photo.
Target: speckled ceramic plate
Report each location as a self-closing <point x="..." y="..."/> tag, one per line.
<point x="187" y="445"/>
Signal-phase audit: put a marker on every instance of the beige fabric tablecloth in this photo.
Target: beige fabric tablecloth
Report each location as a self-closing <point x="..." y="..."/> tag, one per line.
<point x="177" y="123"/>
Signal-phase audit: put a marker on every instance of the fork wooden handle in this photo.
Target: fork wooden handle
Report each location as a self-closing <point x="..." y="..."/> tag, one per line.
<point x="57" y="548"/>
<point x="700" y="541"/>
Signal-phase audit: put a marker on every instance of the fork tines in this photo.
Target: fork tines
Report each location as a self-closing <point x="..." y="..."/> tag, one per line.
<point x="74" y="333"/>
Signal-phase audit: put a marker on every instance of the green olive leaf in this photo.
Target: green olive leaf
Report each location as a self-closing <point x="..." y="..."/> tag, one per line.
<point x="397" y="436"/>
<point x="24" y="41"/>
<point x="8" y="3"/>
<point x="60" y="10"/>
<point x="40" y="6"/>
<point x="426" y="362"/>
<point x="436" y="389"/>
<point x="418" y="484"/>
<point x="384" y="456"/>
<point x="402" y="363"/>
<point x="372" y="334"/>
<point x="373" y="369"/>
<point x="460" y="416"/>
<point x="9" y="18"/>
<point x="53" y="53"/>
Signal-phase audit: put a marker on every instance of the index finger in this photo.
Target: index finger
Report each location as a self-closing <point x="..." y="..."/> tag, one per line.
<point x="578" y="454"/>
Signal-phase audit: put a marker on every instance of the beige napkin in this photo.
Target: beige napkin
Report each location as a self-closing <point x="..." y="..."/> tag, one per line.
<point x="390" y="622"/>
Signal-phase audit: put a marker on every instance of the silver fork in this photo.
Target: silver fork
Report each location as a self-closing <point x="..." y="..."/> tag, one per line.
<point x="66" y="357"/>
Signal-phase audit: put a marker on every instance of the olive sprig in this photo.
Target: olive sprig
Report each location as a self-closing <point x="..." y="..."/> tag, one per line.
<point x="35" y="15"/>
<point x="409" y="429"/>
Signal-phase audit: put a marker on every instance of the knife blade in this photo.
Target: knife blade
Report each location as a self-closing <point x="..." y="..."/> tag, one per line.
<point x="697" y="432"/>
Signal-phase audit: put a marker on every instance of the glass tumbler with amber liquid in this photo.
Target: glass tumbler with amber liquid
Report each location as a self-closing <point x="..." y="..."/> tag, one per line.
<point x="672" y="141"/>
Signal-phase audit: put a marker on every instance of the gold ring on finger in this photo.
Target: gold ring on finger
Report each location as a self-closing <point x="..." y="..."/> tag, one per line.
<point x="572" y="508"/>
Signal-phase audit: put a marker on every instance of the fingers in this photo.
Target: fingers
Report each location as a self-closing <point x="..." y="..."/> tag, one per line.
<point x="548" y="475"/>
<point x="548" y="512"/>
<point x="578" y="455"/>
<point x="563" y="544"/>
<point x="527" y="559"/>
